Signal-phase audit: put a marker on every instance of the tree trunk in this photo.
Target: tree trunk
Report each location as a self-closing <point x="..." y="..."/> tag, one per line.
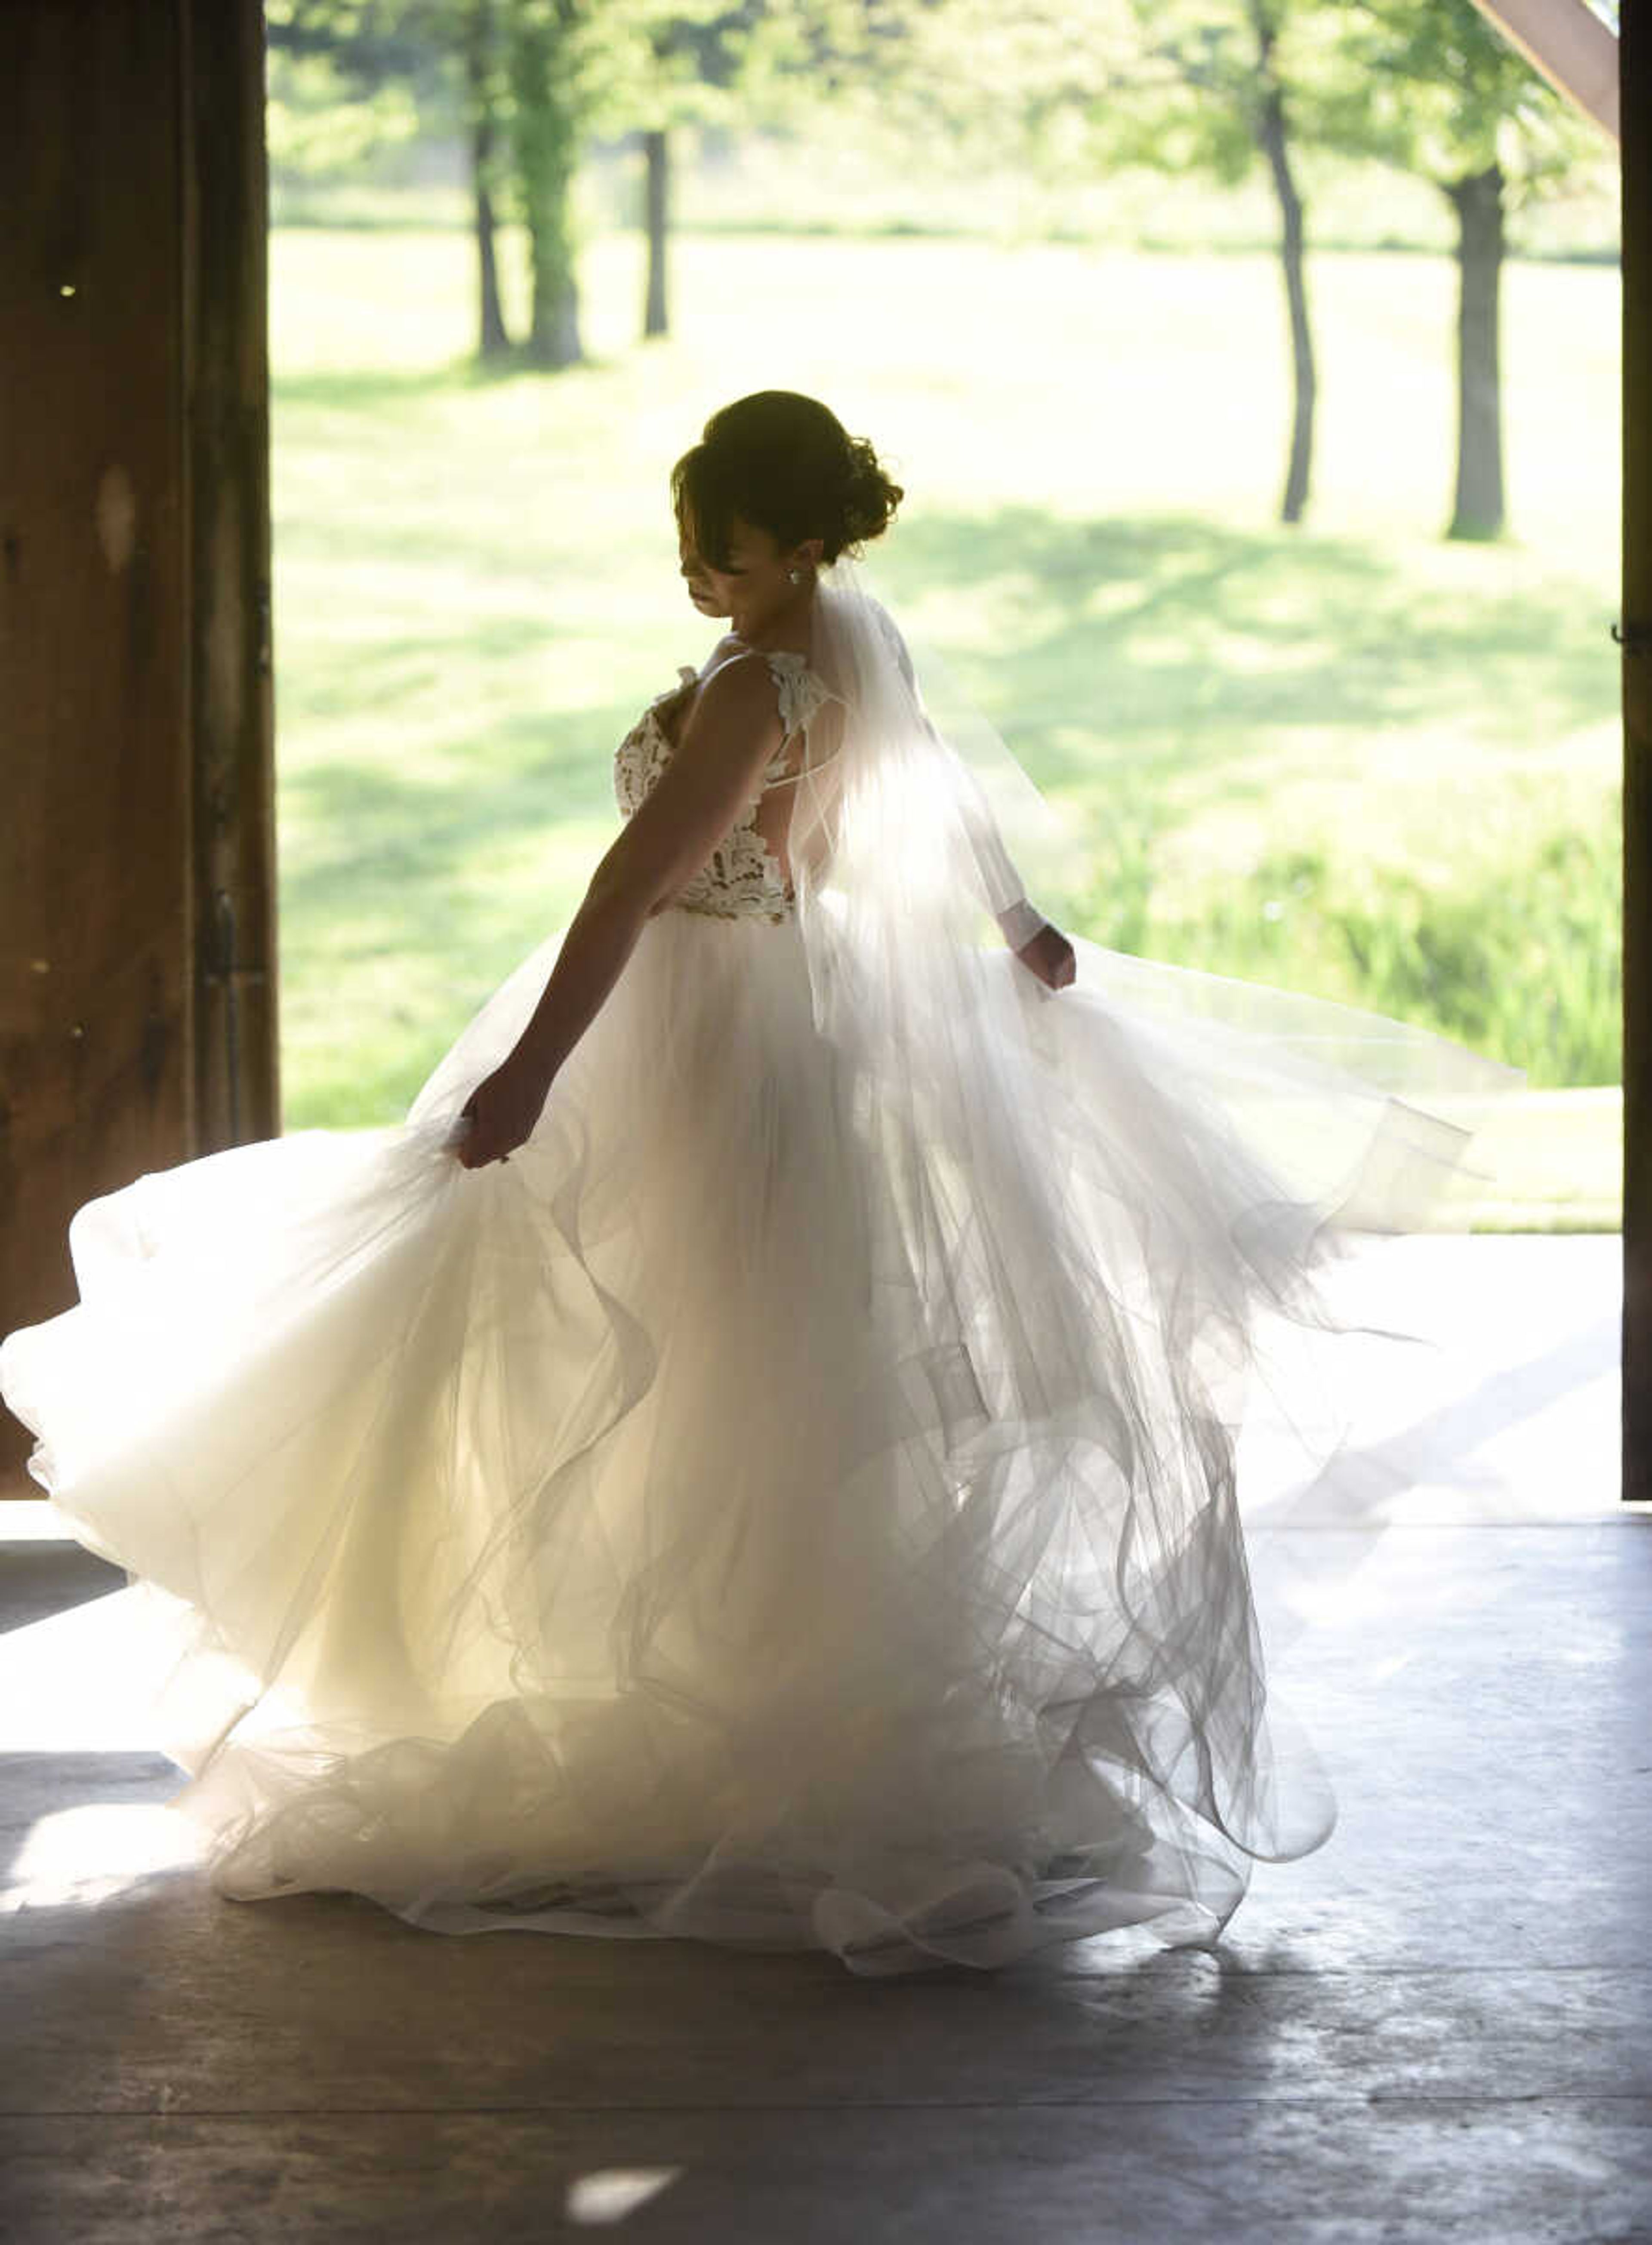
<point x="656" y="198"/>
<point x="493" y="341"/>
<point x="546" y="132"/>
<point x="1271" y="139"/>
<point x="1478" y="200"/>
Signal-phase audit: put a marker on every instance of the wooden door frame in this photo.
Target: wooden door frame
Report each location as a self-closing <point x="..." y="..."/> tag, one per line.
<point x="1634" y="632"/>
<point x="137" y="999"/>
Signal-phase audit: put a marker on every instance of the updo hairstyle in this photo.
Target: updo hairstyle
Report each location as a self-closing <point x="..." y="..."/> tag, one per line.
<point x="785" y="464"/>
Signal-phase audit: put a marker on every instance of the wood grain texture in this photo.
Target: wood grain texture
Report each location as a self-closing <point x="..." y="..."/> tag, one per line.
<point x="135" y="572"/>
<point x="1636" y="61"/>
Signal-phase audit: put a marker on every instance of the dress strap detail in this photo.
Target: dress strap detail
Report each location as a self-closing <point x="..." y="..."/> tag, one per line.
<point x="801" y="690"/>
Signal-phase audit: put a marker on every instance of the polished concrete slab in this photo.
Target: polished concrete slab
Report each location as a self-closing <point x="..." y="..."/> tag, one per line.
<point x="1439" y="2027"/>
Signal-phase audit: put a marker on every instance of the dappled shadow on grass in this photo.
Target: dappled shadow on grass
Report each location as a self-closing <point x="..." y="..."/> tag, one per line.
<point x="1150" y="667"/>
<point x="1113" y="638"/>
<point x="1111" y="646"/>
<point x="362" y="389"/>
<point x="1107" y="663"/>
<point x="390" y="675"/>
<point x="392" y="834"/>
<point x="377" y="388"/>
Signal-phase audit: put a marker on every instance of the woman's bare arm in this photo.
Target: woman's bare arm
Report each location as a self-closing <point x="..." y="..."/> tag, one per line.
<point x="732" y="731"/>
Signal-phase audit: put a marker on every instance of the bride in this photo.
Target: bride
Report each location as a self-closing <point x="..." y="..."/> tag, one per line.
<point x="751" y="1456"/>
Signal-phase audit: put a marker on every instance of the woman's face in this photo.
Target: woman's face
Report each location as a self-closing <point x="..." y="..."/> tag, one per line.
<point x="753" y="581"/>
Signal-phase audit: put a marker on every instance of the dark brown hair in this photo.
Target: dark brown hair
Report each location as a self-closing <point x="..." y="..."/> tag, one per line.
<point x="785" y="464"/>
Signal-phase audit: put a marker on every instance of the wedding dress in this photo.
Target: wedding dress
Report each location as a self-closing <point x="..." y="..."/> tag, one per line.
<point x="702" y="1524"/>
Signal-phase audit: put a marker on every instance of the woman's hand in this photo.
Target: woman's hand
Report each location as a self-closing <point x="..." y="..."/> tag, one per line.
<point x="1050" y="956"/>
<point x="503" y="1109"/>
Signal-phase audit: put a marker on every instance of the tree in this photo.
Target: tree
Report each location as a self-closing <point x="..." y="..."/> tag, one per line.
<point x="530" y="83"/>
<point x="522" y="79"/>
<point x="1173" y="86"/>
<point x="1209" y="86"/>
<point x="578" y="68"/>
<point x="1437" y="92"/>
<point x="479" y="29"/>
<point x="678" y="65"/>
<point x="346" y="77"/>
<point x="1239" y="62"/>
<point x="548" y="46"/>
<point x="691" y="55"/>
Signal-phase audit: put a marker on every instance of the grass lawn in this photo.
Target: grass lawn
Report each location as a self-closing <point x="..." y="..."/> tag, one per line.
<point x="1350" y="758"/>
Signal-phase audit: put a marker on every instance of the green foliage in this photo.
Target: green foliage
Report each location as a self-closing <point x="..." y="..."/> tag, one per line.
<point x="958" y="82"/>
<point x="1194" y="101"/>
<point x="400" y="51"/>
<point x="1169" y="85"/>
<point x="689" y="62"/>
<point x="317" y="130"/>
<point x="1432" y="88"/>
<point x="1519" y="956"/>
<point x="575" y="68"/>
<point x="1175" y="86"/>
<point x="529" y="84"/>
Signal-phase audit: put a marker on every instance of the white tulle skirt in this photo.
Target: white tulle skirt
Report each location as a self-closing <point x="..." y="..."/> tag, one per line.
<point x="599" y="1542"/>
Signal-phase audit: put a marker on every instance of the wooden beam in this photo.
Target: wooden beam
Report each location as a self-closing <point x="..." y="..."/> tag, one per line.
<point x="1570" y="46"/>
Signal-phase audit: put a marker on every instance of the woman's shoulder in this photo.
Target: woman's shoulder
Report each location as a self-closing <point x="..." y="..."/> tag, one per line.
<point x="799" y="688"/>
<point x="784" y="664"/>
<point x="740" y="692"/>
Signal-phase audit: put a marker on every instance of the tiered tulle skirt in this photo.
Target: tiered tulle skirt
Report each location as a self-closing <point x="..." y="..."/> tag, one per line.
<point x="602" y="1543"/>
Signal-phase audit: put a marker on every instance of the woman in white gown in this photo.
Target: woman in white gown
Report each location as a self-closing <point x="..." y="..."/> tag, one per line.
<point x="751" y="1456"/>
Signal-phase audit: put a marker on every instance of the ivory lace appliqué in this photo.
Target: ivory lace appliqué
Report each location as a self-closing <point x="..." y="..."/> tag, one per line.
<point x="741" y="876"/>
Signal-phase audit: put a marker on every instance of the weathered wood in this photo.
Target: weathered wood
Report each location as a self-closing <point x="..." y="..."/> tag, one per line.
<point x="1635" y="104"/>
<point x="134" y="572"/>
<point x="1568" y="43"/>
<point x="225" y="293"/>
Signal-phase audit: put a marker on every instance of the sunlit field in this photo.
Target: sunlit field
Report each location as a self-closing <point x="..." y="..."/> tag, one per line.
<point x="1351" y="758"/>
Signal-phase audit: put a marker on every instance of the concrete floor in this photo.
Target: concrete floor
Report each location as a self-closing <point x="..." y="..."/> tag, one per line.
<point x="1436" y="2027"/>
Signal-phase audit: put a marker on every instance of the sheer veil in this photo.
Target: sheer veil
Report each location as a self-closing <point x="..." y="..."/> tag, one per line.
<point x="903" y="834"/>
<point x="1090" y="1222"/>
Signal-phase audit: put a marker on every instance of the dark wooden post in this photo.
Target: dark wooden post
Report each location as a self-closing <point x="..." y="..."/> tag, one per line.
<point x="224" y="272"/>
<point x="138" y="1023"/>
<point x="1634" y="86"/>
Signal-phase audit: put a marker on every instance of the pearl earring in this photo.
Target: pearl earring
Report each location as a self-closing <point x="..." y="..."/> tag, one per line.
<point x="796" y="575"/>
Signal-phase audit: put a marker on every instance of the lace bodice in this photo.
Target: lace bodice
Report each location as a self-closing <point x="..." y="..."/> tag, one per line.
<point x="741" y="876"/>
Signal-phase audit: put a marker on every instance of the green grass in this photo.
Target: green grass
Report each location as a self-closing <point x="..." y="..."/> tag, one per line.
<point x="1350" y="758"/>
